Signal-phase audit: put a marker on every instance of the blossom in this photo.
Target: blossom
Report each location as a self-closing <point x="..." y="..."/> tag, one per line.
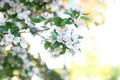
<point x="23" y="15"/>
<point x="16" y="40"/>
<point x="30" y="0"/>
<point x="9" y="37"/>
<point x="69" y="44"/>
<point x="2" y="19"/>
<point x="19" y="25"/>
<point x="48" y="15"/>
<point x="2" y="42"/>
<point x="11" y="11"/>
<point x="60" y="38"/>
<point x="2" y="4"/>
<point x="7" y="1"/>
<point x="17" y="6"/>
<point x="74" y="37"/>
<point x="28" y="22"/>
<point x="18" y="49"/>
<point x="23" y="43"/>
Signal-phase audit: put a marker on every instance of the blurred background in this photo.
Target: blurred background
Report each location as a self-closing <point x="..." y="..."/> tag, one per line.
<point x="100" y="50"/>
<point x="99" y="58"/>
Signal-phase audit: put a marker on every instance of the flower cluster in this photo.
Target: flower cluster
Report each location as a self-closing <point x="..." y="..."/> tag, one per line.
<point x="2" y="19"/>
<point x="9" y="39"/>
<point x="23" y="55"/>
<point x="59" y="28"/>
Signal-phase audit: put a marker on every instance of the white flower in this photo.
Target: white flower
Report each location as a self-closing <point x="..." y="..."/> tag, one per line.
<point x="23" y="43"/>
<point x="77" y="21"/>
<point x="11" y="11"/>
<point x="2" y="4"/>
<point x="9" y="37"/>
<point x="35" y="70"/>
<point x="56" y="51"/>
<point x="16" y="40"/>
<point x="23" y="15"/>
<point x="7" y="1"/>
<point x="76" y="47"/>
<point x="74" y="37"/>
<point x="60" y="38"/>
<point x="19" y="24"/>
<point x="66" y="37"/>
<point x="12" y="4"/>
<point x="45" y="1"/>
<point x="2" y="19"/>
<point x="47" y="15"/>
<point x="69" y="44"/>
<point x="2" y="42"/>
<point x="28" y="22"/>
<point x="17" y="7"/>
<point x="30" y="0"/>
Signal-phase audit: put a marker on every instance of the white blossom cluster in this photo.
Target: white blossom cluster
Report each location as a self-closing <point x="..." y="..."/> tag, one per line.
<point x="67" y="34"/>
<point x="69" y="37"/>
<point x="48" y="21"/>
<point x="22" y="13"/>
<point x="27" y="64"/>
<point x="9" y="38"/>
<point x="2" y="19"/>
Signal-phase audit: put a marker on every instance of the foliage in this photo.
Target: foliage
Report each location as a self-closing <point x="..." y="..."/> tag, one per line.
<point x="58" y="28"/>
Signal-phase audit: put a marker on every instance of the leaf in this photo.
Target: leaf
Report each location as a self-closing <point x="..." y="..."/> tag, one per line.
<point x="6" y="6"/>
<point x="23" y="1"/>
<point x="79" y="50"/>
<point x="54" y="33"/>
<point x="8" y="25"/>
<point x="38" y="7"/>
<point x="15" y="19"/>
<point x="85" y="18"/>
<point x="55" y="45"/>
<point x="14" y="30"/>
<point x="68" y="21"/>
<point x="58" y="21"/>
<point x="47" y="45"/>
<point x="2" y="28"/>
<point x="38" y="19"/>
<point x="80" y="37"/>
<point x="68" y="13"/>
<point x="75" y="13"/>
<point x="63" y="49"/>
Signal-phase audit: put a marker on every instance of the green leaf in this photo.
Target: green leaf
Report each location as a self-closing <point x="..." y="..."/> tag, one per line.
<point x="38" y="7"/>
<point x="79" y="50"/>
<point x="6" y="6"/>
<point x="68" y="13"/>
<point x="80" y="37"/>
<point x="76" y="25"/>
<point x="15" y="19"/>
<point x="15" y="30"/>
<point x="55" y="45"/>
<point x="47" y="45"/>
<point x="63" y="49"/>
<point x="54" y="33"/>
<point x="38" y="19"/>
<point x="75" y="13"/>
<point x="68" y="21"/>
<point x="8" y="25"/>
<point x="22" y="1"/>
<point x="2" y="28"/>
<point x="85" y="18"/>
<point x="1" y="33"/>
<point x="58" y="21"/>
